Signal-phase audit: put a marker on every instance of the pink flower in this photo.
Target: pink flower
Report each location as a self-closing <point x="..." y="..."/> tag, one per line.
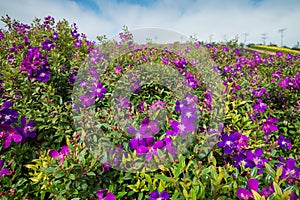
<point x="10" y="134"/>
<point x="118" y="69"/>
<point x="61" y="155"/>
<point x="109" y="196"/>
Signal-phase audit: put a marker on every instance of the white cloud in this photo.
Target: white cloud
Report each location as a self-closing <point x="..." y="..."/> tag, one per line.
<point x="202" y="17"/>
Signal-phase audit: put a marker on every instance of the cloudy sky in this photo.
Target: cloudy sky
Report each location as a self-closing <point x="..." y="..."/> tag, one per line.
<point x="207" y="20"/>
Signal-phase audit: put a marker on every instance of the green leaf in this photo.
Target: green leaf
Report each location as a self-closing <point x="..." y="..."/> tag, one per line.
<point x="177" y="172"/>
<point x="277" y="189"/>
<point x="161" y="186"/>
<point x="72" y="176"/>
<point x="181" y="161"/>
<point x="278" y="172"/>
<point x="163" y="177"/>
<point x="256" y="195"/>
<point x="140" y="197"/>
<point x="49" y="170"/>
<point x="185" y="193"/>
<point x="222" y="198"/>
<point x="91" y="174"/>
<point x="148" y="178"/>
<point x="221" y="175"/>
<point x="121" y="194"/>
<point x="254" y="172"/>
<point x="30" y="166"/>
<point x="270" y="170"/>
<point x="193" y="194"/>
<point x="59" y="174"/>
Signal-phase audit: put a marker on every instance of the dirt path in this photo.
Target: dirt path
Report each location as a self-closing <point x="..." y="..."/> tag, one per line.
<point x="260" y="51"/>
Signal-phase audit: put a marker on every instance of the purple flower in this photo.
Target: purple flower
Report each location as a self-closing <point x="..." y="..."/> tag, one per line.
<point x="26" y="40"/>
<point x="55" y="36"/>
<point x="146" y="130"/>
<point x="289" y="169"/>
<point x="72" y="77"/>
<point x="233" y="142"/>
<point x="186" y="106"/>
<point x="74" y="32"/>
<point x="106" y="167"/>
<point x="98" y="90"/>
<point x="118" y="69"/>
<point x="10" y="134"/>
<point x="244" y="194"/>
<point x="31" y="60"/>
<point x="259" y="93"/>
<point x="48" y="45"/>
<point x="256" y="157"/>
<point x="27" y="130"/>
<point x="123" y="102"/>
<point x="191" y="81"/>
<point x="279" y="54"/>
<point x="168" y="143"/>
<point x="241" y="159"/>
<point x="43" y="75"/>
<point x="61" y="155"/>
<point x="94" y="73"/>
<point x="189" y="114"/>
<point x="193" y="63"/>
<point x="236" y="52"/>
<point x="276" y="75"/>
<point x="1" y="35"/>
<point x="151" y="127"/>
<point x="4" y="171"/>
<point x="270" y="125"/>
<point x="260" y="107"/>
<point x="165" y="61"/>
<point x="285" y="82"/>
<point x="266" y="192"/>
<point x="96" y="57"/>
<point x="125" y="37"/>
<point x="155" y="195"/>
<point x="87" y="99"/>
<point x="149" y="148"/>
<point x="183" y="127"/>
<point x="284" y="143"/>
<point x="136" y="86"/>
<point x="48" y="20"/>
<point x="141" y="106"/>
<point x="77" y="43"/>
<point x="208" y="100"/>
<point x="180" y="64"/>
<point x="228" y="143"/>
<point x="84" y="84"/>
<point x="8" y="116"/>
<point x="109" y="195"/>
<point x="225" y="49"/>
<point x="227" y="69"/>
<point x="157" y="105"/>
<point x="294" y="196"/>
<point x="138" y="137"/>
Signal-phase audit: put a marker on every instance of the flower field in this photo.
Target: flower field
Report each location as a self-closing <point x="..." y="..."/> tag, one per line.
<point x="275" y="49"/>
<point x="226" y="125"/>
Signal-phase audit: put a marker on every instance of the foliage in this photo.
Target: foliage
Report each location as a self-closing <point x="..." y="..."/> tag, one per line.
<point x="42" y="152"/>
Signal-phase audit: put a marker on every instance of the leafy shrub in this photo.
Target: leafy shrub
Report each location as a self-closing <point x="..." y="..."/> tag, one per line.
<point x="43" y="155"/>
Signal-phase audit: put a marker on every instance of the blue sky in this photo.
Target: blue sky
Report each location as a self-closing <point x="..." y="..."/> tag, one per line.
<point x="215" y="20"/>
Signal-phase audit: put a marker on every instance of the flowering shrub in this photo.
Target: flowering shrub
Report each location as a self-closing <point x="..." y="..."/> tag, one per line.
<point x="43" y="156"/>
